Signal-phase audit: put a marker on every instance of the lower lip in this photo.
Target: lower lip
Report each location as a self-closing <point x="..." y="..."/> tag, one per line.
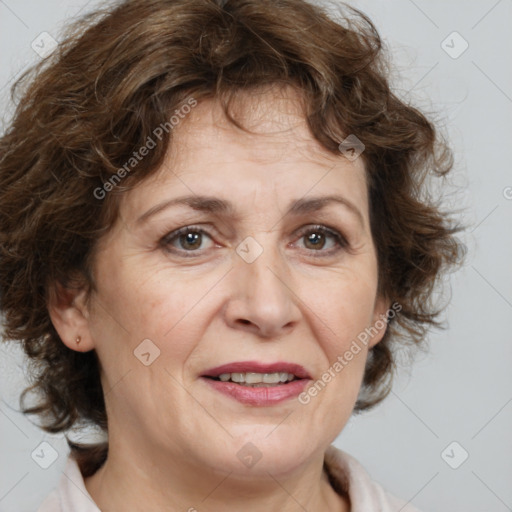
<point x="259" y="396"/>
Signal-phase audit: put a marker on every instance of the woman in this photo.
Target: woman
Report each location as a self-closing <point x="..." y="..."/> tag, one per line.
<point x="213" y="233"/>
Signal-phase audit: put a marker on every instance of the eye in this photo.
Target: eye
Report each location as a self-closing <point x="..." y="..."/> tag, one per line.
<point x="316" y="238"/>
<point x="187" y="239"/>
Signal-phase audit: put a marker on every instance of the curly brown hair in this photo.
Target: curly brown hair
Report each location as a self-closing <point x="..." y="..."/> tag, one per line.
<point x="118" y="74"/>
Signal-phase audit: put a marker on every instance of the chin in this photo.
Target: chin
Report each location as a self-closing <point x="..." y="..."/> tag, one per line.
<point x="256" y="453"/>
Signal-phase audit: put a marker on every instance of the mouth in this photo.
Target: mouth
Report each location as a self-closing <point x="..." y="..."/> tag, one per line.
<point x="257" y="383"/>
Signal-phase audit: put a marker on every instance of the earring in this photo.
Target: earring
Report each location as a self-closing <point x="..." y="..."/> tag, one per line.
<point x="78" y="340"/>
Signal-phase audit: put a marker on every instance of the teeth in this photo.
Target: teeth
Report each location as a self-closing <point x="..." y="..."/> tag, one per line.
<point x="251" y="378"/>
<point x="271" y="378"/>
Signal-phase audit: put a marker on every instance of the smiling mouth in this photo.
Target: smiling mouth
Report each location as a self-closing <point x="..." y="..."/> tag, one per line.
<point x="258" y="384"/>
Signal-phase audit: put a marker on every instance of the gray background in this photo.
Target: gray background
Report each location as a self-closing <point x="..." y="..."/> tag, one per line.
<point x="462" y="389"/>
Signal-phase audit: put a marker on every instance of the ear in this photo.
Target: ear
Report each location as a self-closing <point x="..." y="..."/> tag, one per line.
<point x="379" y="320"/>
<point x="70" y="317"/>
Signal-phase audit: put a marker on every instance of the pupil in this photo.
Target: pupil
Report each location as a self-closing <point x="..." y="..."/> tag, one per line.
<point x="315" y="239"/>
<point x="191" y="238"/>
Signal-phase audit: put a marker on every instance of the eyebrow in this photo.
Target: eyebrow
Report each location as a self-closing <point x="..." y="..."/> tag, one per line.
<point x="214" y="205"/>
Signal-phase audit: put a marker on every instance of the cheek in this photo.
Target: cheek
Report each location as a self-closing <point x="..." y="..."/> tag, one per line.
<point x="137" y="302"/>
<point x="142" y="299"/>
<point x="344" y="308"/>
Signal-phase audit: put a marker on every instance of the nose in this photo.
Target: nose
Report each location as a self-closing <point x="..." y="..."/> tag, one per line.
<point x="262" y="299"/>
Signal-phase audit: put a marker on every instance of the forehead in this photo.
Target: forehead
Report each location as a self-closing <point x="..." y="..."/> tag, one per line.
<point x="208" y="155"/>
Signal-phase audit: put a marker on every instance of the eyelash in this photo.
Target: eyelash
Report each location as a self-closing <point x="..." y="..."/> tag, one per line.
<point x="340" y="240"/>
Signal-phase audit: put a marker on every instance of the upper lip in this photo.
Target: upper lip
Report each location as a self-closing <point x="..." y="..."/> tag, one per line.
<point x="257" y="367"/>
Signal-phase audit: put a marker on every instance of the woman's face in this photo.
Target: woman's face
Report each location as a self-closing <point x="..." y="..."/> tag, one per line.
<point x="277" y="282"/>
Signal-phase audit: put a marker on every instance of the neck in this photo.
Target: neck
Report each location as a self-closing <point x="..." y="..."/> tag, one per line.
<point x="130" y="481"/>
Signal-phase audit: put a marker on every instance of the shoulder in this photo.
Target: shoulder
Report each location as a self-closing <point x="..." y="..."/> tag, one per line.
<point x="365" y="494"/>
<point x="70" y="495"/>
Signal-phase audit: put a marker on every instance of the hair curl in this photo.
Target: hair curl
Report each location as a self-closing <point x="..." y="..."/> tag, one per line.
<point x="117" y="75"/>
